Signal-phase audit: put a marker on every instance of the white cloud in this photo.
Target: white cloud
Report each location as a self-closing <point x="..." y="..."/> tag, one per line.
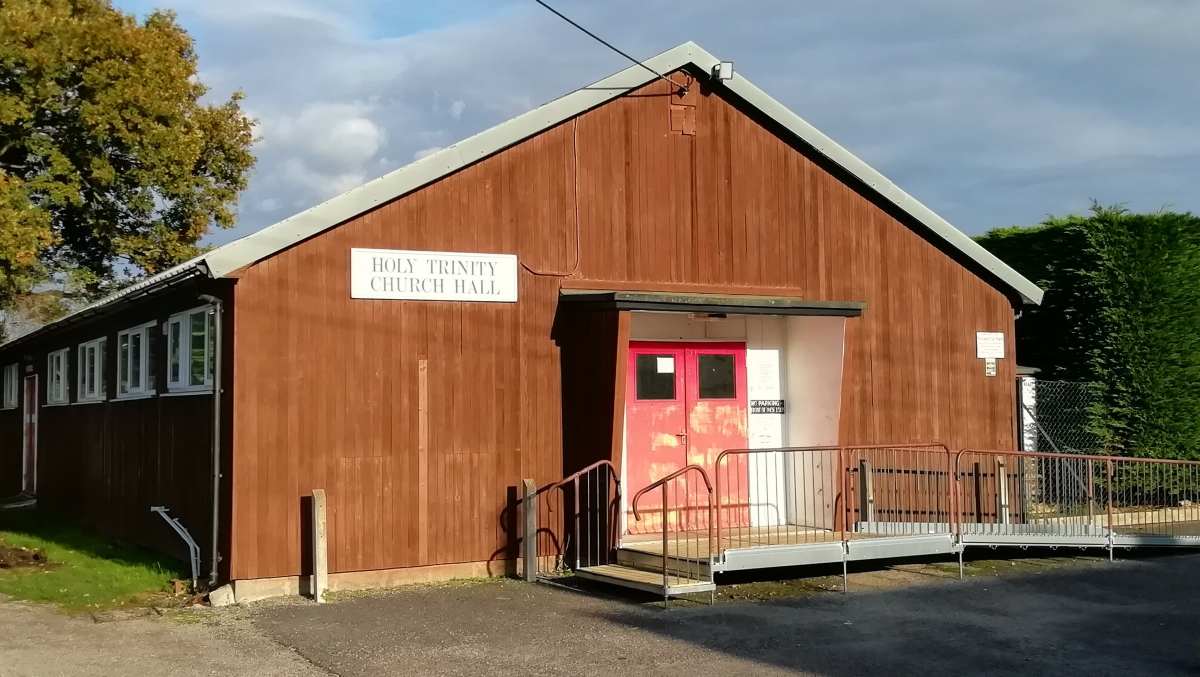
<point x="991" y="113"/>
<point x="338" y="134"/>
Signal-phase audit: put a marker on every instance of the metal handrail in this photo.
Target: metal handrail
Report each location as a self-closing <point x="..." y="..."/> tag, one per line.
<point x="1156" y="502"/>
<point x="842" y="480"/>
<point x="662" y="483"/>
<point x="573" y="479"/>
<point x="703" y="475"/>
<point x="1092" y="457"/>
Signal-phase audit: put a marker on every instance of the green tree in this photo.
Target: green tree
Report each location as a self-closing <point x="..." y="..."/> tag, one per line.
<point x="112" y="162"/>
<point x="1122" y="310"/>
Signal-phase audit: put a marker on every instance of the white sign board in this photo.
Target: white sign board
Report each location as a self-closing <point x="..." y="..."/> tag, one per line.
<point x="432" y="276"/>
<point x="989" y="345"/>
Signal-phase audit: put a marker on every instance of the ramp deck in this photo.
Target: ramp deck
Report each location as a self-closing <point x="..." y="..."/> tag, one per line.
<point x="883" y="502"/>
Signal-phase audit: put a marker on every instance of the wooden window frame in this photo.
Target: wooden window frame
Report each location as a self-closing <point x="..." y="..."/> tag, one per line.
<point x="183" y="353"/>
<point x="11" y="385"/>
<point x="126" y="389"/>
<point x="90" y="386"/>
<point x="63" y="374"/>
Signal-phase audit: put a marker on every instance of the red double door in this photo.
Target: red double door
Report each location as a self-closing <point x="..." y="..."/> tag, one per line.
<point x="685" y="404"/>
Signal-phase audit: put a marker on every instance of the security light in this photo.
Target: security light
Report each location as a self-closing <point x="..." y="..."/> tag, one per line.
<point x="723" y="71"/>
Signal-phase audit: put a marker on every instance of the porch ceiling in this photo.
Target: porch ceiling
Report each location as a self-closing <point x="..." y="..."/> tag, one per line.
<point x="739" y="304"/>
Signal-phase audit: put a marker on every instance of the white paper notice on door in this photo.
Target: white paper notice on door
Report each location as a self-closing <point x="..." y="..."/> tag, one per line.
<point x="666" y="365"/>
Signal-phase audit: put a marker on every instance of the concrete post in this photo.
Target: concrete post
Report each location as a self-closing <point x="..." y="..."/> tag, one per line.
<point x="320" y="579"/>
<point x="866" y="492"/>
<point x="1001" y="491"/>
<point x="529" y="539"/>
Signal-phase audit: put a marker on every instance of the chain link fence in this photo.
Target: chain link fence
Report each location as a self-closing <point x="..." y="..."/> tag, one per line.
<point x="1056" y="416"/>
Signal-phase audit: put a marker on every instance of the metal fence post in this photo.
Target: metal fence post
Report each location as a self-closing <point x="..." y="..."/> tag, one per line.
<point x="978" y="493"/>
<point x="529" y="539"/>
<point x="1091" y="495"/>
<point x="1109" y="490"/>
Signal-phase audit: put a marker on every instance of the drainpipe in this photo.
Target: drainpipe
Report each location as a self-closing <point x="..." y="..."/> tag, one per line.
<point x="218" y="308"/>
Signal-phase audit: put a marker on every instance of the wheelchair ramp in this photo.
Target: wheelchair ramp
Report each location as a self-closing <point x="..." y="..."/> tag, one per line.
<point x="822" y="505"/>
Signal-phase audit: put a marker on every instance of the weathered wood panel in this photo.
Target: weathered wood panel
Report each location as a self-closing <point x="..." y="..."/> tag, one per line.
<point x="330" y="390"/>
<point x="104" y="464"/>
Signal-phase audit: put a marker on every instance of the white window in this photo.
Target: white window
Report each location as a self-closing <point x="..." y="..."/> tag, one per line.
<point x="56" y="377"/>
<point x="10" y="386"/>
<point x="90" y="370"/>
<point x="191" y="347"/>
<point x="135" y="374"/>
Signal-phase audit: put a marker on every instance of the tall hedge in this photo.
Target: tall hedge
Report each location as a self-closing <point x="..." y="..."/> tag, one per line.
<point x="1122" y="309"/>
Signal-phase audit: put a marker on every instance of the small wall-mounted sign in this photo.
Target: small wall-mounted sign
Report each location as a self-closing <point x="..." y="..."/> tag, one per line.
<point x="766" y="407"/>
<point x="432" y="276"/>
<point x="989" y="366"/>
<point x="989" y="344"/>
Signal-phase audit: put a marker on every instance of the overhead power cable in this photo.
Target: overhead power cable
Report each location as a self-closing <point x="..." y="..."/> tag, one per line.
<point x="606" y="43"/>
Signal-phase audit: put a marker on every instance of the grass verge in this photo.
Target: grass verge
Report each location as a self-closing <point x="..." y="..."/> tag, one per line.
<point x="83" y="571"/>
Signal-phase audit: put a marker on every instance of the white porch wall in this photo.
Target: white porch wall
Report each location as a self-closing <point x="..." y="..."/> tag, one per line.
<point x="795" y="359"/>
<point x="815" y="348"/>
<point x="766" y="345"/>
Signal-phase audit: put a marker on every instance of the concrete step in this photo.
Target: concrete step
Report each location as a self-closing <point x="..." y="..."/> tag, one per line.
<point x="647" y="581"/>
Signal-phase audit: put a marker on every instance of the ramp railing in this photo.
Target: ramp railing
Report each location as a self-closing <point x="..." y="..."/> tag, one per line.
<point x="827" y="494"/>
<point x="1032" y="498"/>
<point x="900" y="490"/>
<point x="578" y="519"/>
<point x="687" y="520"/>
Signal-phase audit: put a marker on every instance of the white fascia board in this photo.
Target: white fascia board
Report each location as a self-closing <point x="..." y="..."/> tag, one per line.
<point x="272" y="239"/>
<point x="262" y="244"/>
<point x="240" y="253"/>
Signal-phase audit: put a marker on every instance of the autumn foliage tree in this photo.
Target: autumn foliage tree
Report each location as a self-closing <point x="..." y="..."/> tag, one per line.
<point x="113" y="164"/>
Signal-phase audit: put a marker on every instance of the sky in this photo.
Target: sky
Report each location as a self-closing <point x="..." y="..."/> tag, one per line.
<point x="991" y="113"/>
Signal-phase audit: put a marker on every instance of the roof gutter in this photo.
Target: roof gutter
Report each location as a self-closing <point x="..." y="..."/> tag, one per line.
<point x="147" y="288"/>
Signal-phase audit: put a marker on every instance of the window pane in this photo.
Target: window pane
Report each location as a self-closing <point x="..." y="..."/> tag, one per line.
<point x="655" y="377"/>
<point x="52" y="386"/>
<point x="151" y="359"/>
<point x="173" y="350"/>
<point x="123" y="363"/>
<point x="211" y="356"/>
<point x="135" y="361"/>
<point x="90" y="374"/>
<point x="198" y="341"/>
<point x="717" y="377"/>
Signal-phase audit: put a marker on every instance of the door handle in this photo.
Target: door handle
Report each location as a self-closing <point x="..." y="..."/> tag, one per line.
<point x="682" y="437"/>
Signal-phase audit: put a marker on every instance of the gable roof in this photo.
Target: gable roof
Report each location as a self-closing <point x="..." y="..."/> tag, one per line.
<point x="227" y="259"/>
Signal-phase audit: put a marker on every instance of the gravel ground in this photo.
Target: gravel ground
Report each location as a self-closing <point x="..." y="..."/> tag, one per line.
<point x="1131" y="617"/>
<point x="1030" y="616"/>
<point x="39" y="640"/>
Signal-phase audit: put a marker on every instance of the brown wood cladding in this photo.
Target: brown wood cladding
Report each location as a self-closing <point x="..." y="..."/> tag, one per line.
<point x="328" y="386"/>
<point x="10" y="451"/>
<point x="104" y="464"/>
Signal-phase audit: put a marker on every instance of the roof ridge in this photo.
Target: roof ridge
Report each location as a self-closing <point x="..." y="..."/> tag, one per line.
<point x="269" y="240"/>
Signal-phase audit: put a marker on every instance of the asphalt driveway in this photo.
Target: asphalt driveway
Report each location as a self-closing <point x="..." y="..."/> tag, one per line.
<point x="1132" y="617"/>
